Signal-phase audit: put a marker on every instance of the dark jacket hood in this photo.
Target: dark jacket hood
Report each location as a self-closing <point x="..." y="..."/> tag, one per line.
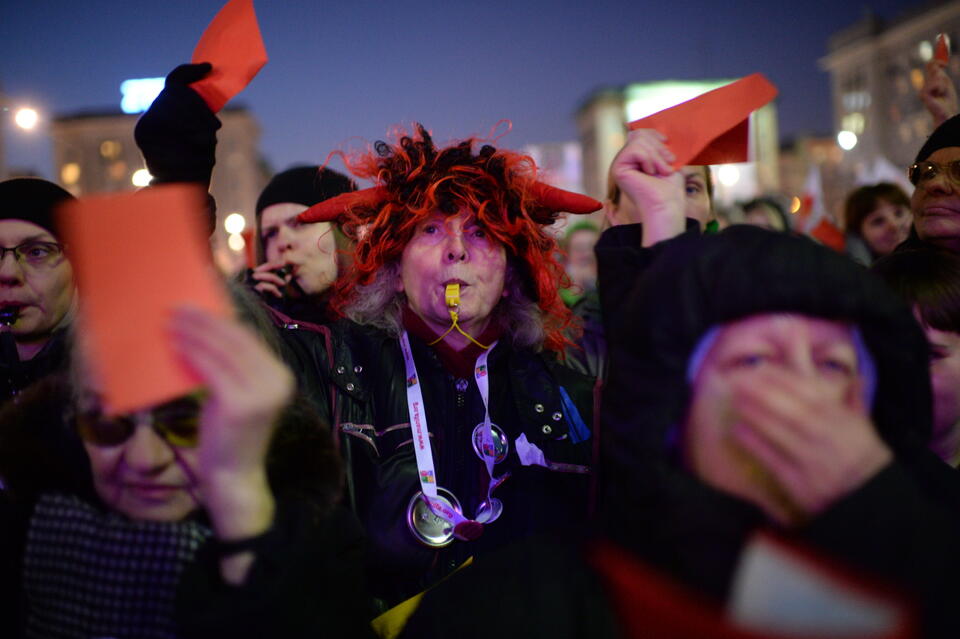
<point x="697" y="282"/>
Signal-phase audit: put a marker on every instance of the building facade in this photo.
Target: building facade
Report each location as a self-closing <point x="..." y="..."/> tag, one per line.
<point x="96" y="153"/>
<point x="876" y="71"/>
<point x="602" y="128"/>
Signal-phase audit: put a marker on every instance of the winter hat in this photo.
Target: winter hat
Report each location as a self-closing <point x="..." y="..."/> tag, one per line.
<point x="33" y="200"/>
<point x="947" y="134"/>
<point x="306" y="185"/>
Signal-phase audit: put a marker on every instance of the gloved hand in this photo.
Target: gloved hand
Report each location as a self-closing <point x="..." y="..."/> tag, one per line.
<point x="178" y="133"/>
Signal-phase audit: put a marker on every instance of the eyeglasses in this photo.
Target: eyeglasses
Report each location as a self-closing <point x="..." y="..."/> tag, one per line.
<point x="177" y="422"/>
<point x="924" y="171"/>
<point x="36" y="254"/>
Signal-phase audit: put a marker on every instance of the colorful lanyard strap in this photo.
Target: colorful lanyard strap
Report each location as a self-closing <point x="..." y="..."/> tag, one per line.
<point x="463" y="528"/>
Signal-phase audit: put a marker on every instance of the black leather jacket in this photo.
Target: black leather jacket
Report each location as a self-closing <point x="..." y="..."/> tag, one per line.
<point x="360" y="382"/>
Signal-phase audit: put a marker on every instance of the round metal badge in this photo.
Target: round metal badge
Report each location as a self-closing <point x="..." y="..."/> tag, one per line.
<point x="489" y="511"/>
<point x="501" y="445"/>
<point x="430" y="529"/>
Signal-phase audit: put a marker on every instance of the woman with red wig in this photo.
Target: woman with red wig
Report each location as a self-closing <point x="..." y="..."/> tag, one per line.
<point x="463" y="407"/>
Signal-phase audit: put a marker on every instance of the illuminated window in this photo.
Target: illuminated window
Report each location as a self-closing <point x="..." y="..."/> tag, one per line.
<point x="916" y="79"/>
<point x="117" y="170"/>
<point x="110" y="149"/>
<point x="70" y="173"/>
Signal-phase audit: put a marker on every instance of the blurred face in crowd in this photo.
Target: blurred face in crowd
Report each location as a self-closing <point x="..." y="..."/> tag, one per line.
<point x="309" y="249"/>
<point x="143" y="464"/>
<point x="762" y="215"/>
<point x="697" y="204"/>
<point x="581" y="262"/>
<point x="38" y="285"/>
<point x="936" y="203"/>
<point x="821" y="355"/>
<point x="580" y="248"/>
<point x="449" y="249"/>
<point x="885" y="227"/>
<point x="945" y="379"/>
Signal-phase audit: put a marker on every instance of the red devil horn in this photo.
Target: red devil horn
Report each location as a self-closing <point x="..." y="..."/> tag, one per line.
<point x="549" y="197"/>
<point x="330" y="210"/>
<point x="560" y="201"/>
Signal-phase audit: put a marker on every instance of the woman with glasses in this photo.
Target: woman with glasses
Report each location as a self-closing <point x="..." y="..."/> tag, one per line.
<point x="37" y="291"/>
<point x="209" y="515"/>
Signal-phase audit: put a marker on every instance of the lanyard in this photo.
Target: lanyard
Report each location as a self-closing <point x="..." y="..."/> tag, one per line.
<point x="421" y="437"/>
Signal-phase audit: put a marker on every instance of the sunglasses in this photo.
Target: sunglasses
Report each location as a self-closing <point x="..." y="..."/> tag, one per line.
<point x="924" y="171"/>
<point x="177" y="422"/>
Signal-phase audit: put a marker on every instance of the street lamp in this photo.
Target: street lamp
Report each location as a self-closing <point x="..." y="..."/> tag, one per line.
<point x="847" y="140"/>
<point x="26" y="118"/>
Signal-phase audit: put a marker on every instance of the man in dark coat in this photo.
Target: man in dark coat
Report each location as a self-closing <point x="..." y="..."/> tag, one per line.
<point x="37" y="291"/>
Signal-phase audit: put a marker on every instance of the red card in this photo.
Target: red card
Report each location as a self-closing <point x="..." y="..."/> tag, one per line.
<point x="712" y="128"/>
<point x="137" y="256"/>
<point x="941" y="52"/>
<point x="233" y="45"/>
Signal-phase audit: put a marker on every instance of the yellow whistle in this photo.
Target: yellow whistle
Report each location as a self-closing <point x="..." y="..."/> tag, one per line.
<point x="453" y="295"/>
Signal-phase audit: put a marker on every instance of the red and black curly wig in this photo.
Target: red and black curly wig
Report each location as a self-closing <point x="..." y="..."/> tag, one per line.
<point x="417" y="179"/>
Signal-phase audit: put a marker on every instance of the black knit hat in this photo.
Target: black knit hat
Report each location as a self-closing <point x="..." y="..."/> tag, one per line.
<point x="33" y="200"/>
<point x="947" y="134"/>
<point x="701" y="282"/>
<point x="306" y="185"/>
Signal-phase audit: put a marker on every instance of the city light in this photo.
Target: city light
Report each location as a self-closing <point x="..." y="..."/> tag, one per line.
<point x="26" y="118"/>
<point x="139" y="94"/>
<point x="70" y="173"/>
<point x="235" y="223"/>
<point x="649" y="98"/>
<point x="728" y="174"/>
<point x="847" y="140"/>
<point x="236" y="242"/>
<point x="141" y="177"/>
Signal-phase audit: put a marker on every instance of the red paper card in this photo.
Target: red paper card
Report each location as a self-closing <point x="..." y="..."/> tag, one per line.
<point x="713" y="128"/>
<point x="233" y="45"/>
<point x="942" y="51"/>
<point x="137" y="256"/>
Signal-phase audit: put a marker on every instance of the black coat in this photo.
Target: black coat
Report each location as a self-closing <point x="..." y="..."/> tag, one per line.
<point x="16" y="376"/>
<point x="900" y="527"/>
<point x="307" y="578"/>
<point x="361" y="381"/>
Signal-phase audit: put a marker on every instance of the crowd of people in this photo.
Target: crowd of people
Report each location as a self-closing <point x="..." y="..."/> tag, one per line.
<point x="429" y="416"/>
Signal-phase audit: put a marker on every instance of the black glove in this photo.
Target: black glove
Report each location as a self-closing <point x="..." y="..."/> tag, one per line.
<point x="178" y="133"/>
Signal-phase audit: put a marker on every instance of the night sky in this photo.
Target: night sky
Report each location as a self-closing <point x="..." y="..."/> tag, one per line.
<point x="352" y="70"/>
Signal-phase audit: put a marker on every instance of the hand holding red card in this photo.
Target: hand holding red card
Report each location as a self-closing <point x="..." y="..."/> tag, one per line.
<point x="712" y="128"/>
<point x="138" y="256"/>
<point x="941" y="52"/>
<point x="938" y="94"/>
<point x="233" y="45"/>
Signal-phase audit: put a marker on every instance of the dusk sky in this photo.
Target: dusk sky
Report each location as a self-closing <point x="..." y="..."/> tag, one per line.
<point x="342" y="70"/>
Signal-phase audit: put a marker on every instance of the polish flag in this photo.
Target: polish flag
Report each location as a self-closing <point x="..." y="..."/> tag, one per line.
<point x="814" y="219"/>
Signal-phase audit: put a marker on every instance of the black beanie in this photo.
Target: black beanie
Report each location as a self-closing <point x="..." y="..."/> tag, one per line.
<point x="33" y="200"/>
<point x="947" y="134"/>
<point x="304" y="185"/>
